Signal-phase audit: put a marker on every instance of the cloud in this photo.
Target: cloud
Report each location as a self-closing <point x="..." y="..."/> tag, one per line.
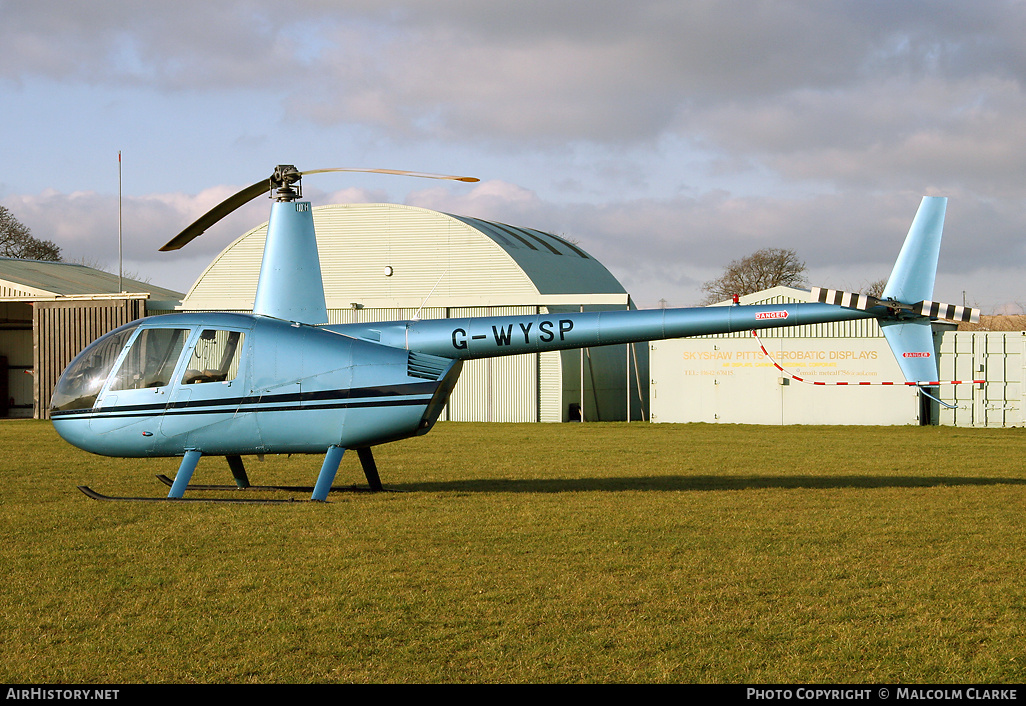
<point x="658" y="248"/>
<point x="84" y="225"/>
<point x="181" y="46"/>
<point x="667" y="137"/>
<point x="604" y="71"/>
<point x="491" y="200"/>
<point x="847" y="94"/>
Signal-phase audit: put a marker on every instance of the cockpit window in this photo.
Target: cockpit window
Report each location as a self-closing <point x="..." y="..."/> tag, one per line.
<point x="151" y="360"/>
<point x="84" y="378"/>
<point x="215" y="358"/>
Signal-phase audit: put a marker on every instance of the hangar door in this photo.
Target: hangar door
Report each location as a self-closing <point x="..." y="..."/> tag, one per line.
<point x="15" y="359"/>
<point x="503" y="389"/>
<point x="61" y="329"/>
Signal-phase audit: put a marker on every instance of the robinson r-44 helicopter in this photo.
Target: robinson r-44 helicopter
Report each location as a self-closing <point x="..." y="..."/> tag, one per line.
<point x="280" y="380"/>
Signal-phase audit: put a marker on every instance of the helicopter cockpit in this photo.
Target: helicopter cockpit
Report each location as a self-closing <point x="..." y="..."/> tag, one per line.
<point x="85" y="376"/>
<point x="150" y="361"/>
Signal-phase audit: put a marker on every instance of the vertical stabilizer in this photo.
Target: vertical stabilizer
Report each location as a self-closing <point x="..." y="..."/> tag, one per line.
<point x="290" y="285"/>
<point x="911" y="282"/>
<point x="915" y="270"/>
<point x="912" y="344"/>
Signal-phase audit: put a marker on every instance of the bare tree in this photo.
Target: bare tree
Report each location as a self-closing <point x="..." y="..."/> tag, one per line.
<point x="874" y="288"/>
<point x="769" y="267"/>
<point x="16" y="240"/>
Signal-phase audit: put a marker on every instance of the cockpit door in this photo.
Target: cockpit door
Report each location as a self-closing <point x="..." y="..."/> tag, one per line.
<point x="138" y="391"/>
<point x="209" y="388"/>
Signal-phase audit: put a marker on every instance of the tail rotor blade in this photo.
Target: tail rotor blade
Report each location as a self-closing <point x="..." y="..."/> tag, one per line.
<point x="929" y="309"/>
<point x="850" y="300"/>
<point x="948" y="312"/>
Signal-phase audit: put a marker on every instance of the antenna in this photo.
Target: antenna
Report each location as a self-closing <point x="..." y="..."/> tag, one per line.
<point x="416" y="317"/>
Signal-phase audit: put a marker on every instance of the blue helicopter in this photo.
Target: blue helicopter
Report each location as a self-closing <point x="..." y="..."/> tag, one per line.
<point x="280" y="380"/>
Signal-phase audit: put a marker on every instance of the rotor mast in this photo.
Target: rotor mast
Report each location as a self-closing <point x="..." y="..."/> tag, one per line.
<point x="290" y="285"/>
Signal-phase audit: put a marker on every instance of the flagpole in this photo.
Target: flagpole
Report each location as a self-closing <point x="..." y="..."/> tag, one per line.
<point x="121" y="286"/>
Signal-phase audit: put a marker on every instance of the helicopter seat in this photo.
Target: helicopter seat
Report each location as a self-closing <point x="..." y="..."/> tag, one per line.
<point x="191" y="377"/>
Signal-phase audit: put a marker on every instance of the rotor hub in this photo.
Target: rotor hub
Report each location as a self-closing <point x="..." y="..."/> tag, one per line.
<point x="286" y="183"/>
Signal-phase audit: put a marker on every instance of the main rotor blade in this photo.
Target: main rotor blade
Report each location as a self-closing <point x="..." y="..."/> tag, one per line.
<point x="393" y="171"/>
<point x="251" y="192"/>
<point x="217" y="213"/>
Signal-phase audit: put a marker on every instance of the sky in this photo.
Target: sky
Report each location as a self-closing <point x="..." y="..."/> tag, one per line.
<point x="666" y="138"/>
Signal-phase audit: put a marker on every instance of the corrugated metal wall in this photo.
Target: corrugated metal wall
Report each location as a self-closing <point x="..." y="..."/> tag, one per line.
<point x="429" y="253"/>
<point x="61" y="329"/>
<point x="504" y="389"/>
<point x="496" y="390"/>
<point x="550" y="377"/>
<point x="999" y="357"/>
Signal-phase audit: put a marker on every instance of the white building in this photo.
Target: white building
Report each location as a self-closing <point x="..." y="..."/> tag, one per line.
<point x="386" y="262"/>
<point x="49" y="311"/>
<point x="729" y="379"/>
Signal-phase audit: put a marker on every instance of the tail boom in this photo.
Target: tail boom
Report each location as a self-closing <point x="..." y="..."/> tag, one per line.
<point x="485" y="337"/>
<point x="904" y="312"/>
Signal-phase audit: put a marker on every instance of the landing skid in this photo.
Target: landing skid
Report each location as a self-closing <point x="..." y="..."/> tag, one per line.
<point x="169" y="482"/>
<point x="269" y="501"/>
<point x="319" y="492"/>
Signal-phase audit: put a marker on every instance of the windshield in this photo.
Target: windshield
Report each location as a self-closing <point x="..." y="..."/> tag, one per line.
<point x="84" y="378"/>
<point x="151" y="360"/>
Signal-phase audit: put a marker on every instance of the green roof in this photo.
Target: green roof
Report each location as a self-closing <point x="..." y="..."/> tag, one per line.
<point x="555" y="265"/>
<point x="65" y="279"/>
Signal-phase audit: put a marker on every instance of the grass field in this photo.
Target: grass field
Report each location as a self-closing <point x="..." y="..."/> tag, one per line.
<point x="532" y="553"/>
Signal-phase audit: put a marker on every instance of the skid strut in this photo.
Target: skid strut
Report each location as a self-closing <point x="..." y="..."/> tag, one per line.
<point x="370" y="469"/>
<point x="238" y="471"/>
<point x="327" y="475"/>
<point x="319" y="492"/>
<point x="181" y="483"/>
<point x="185" y="471"/>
